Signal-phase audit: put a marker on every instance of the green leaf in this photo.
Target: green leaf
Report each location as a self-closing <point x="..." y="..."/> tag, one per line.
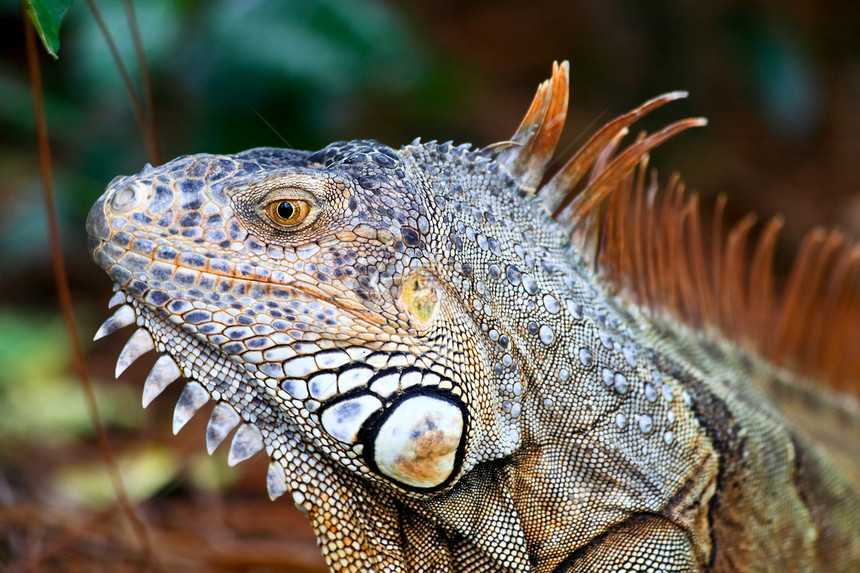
<point x="47" y="15"/>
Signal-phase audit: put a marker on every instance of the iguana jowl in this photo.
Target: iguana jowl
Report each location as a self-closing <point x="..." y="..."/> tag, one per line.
<point x="419" y="340"/>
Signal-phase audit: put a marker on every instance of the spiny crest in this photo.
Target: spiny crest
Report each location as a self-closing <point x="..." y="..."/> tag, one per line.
<point x="652" y="245"/>
<point x="530" y="149"/>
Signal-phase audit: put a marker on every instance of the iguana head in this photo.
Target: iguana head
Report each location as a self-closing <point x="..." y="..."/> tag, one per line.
<point x="357" y="311"/>
<point x="333" y="291"/>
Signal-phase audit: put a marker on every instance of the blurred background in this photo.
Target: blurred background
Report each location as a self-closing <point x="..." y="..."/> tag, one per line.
<point x="779" y="82"/>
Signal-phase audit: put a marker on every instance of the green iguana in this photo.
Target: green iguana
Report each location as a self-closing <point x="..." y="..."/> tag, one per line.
<point x="458" y="363"/>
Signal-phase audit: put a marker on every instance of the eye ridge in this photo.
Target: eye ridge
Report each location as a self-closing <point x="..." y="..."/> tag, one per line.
<point x="288" y="212"/>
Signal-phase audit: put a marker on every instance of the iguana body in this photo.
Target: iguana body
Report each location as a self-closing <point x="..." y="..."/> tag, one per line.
<point x="421" y="344"/>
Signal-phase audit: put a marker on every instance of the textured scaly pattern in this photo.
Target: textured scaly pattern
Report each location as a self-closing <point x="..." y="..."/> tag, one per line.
<point x="455" y="367"/>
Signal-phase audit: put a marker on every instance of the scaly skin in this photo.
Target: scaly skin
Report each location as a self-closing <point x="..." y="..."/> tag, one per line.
<point x="442" y="382"/>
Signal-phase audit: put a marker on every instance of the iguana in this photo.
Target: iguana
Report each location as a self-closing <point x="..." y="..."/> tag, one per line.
<point x="458" y="363"/>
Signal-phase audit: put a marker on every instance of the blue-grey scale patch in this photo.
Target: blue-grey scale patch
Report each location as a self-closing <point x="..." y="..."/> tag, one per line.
<point x="162" y="199"/>
<point x="206" y="282"/>
<point x="166" y="219"/>
<point x="255" y="246"/>
<point x="513" y="274"/>
<point x="116" y="273"/>
<point x="137" y="288"/>
<point x="143" y="246"/>
<point x="220" y="266"/>
<point x="383" y="160"/>
<point x="178" y="306"/>
<point x="355" y="159"/>
<point x="217" y="236"/>
<point x="166" y="253"/>
<point x="529" y="284"/>
<point x="190" y="186"/>
<point x="122" y="238"/>
<point x="190" y="219"/>
<point x="134" y="262"/>
<point x="343" y="420"/>
<point x="197" y="169"/>
<point x="215" y="220"/>
<point x="192" y="260"/>
<point x="236" y="332"/>
<point x="244" y="270"/>
<point x="274" y="155"/>
<point x="185" y="278"/>
<point x="257" y="342"/>
<point x="197" y="316"/>
<point x="369" y="182"/>
<point x="237" y="348"/>
<point x="322" y="386"/>
<point x="157" y="297"/>
<point x="273" y="369"/>
<point x="235" y="231"/>
<point x="141" y="217"/>
<point x="190" y="190"/>
<point x="221" y="169"/>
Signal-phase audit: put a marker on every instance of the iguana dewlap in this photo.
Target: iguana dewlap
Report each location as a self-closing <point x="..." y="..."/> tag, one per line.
<point x="457" y="364"/>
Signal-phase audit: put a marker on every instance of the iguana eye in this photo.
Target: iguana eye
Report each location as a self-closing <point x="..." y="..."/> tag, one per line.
<point x="288" y="212"/>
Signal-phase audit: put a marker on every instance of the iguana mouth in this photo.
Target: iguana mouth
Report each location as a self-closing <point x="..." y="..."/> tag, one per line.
<point x="167" y="263"/>
<point x="434" y="448"/>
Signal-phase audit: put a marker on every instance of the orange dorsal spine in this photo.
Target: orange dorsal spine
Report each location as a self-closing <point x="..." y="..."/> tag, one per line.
<point x="651" y="243"/>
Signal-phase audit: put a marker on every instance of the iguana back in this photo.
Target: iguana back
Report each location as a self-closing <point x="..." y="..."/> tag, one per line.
<point x="456" y="363"/>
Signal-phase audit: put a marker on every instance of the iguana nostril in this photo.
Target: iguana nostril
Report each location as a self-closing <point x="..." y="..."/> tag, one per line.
<point x="126" y="198"/>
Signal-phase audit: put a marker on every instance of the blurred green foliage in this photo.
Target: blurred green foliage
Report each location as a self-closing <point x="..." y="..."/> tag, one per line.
<point x="144" y="472"/>
<point x="40" y="399"/>
<point x="47" y="16"/>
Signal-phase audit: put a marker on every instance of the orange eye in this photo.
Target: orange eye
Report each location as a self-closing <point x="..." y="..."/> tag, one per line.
<point x="288" y="212"/>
